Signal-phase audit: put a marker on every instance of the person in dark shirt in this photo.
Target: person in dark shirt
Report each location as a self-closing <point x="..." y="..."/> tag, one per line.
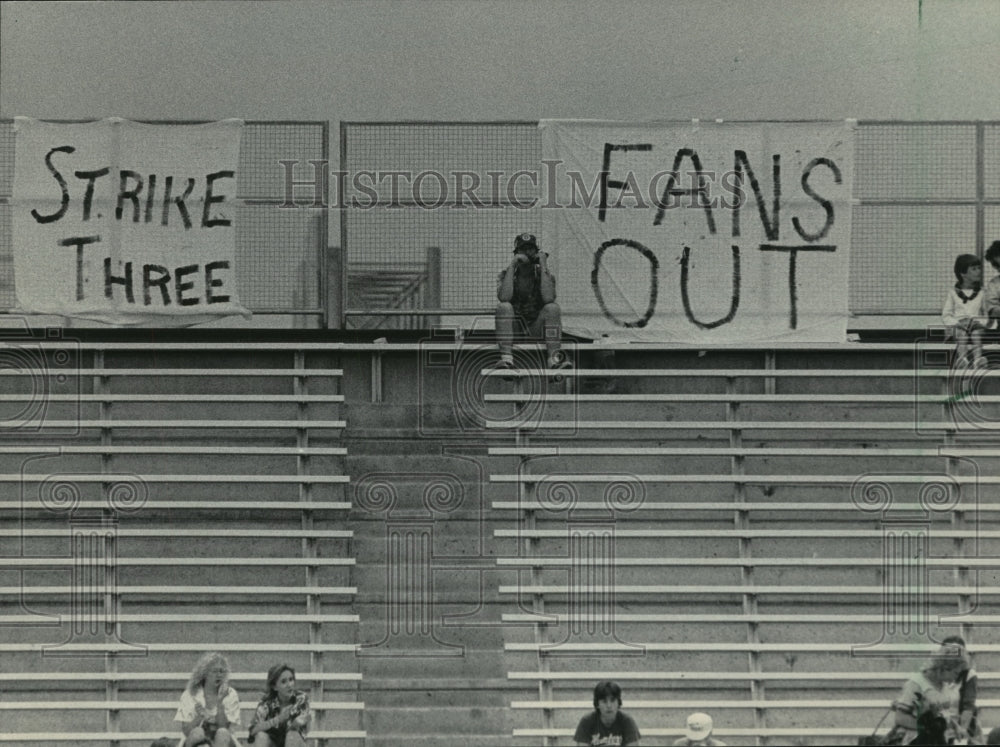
<point x="968" y="712"/>
<point x="526" y="290"/>
<point x="608" y="725"/>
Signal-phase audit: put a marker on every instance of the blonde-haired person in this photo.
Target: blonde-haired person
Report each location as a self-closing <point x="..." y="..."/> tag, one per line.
<point x="209" y="709"/>
<point x="282" y="716"/>
<point x="931" y="692"/>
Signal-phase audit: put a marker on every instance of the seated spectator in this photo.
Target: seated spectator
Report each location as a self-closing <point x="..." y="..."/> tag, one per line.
<point x="930" y="696"/>
<point x="968" y="713"/>
<point x="698" y="731"/>
<point x="526" y="290"/>
<point x="608" y="725"/>
<point x="991" y="293"/>
<point x="282" y="716"/>
<point x="964" y="314"/>
<point x="209" y="709"/>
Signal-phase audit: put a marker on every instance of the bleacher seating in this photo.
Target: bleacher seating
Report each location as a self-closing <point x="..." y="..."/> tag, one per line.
<point x="714" y="535"/>
<point x="778" y="546"/>
<point x="173" y="499"/>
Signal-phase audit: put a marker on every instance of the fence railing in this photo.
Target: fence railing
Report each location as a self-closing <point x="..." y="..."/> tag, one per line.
<point x="410" y="292"/>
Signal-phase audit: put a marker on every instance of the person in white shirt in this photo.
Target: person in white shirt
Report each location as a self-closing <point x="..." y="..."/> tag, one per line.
<point x="698" y="732"/>
<point x="933" y="691"/>
<point x="963" y="311"/>
<point x="209" y="709"/>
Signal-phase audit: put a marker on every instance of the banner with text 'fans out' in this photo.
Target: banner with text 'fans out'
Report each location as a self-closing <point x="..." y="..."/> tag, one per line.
<point x="700" y="232"/>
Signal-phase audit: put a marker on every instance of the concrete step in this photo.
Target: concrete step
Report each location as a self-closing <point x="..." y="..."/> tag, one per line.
<point x="449" y="539"/>
<point x="467" y="420"/>
<point x="624" y="438"/>
<point x="452" y="419"/>
<point x="424" y="692"/>
<point x="444" y="740"/>
<point x="448" y="472"/>
<point x="455" y="498"/>
<point x="387" y="691"/>
<point x="385" y="442"/>
<point x="436" y="714"/>
<point x="370" y="523"/>
<point x="370" y="490"/>
<point x="373" y="416"/>
<point x="416" y="466"/>
<point x="431" y="419"/>
<point x="445" y="662"/>
<point x="441" y="637"/>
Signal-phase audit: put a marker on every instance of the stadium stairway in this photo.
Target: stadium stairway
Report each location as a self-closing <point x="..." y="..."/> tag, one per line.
<point x="430" y="645"/>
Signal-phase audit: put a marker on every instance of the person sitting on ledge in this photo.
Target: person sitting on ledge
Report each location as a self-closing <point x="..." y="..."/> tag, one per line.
<point x="526" y="290"/>
<point x="962" y="312"/>
<point x="991" y="291"/>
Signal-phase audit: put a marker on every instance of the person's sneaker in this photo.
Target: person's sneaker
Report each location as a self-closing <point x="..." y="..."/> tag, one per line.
<point x="980" y="362"/>
<point x="504" y="364"/>
<point x="559" y="360"/>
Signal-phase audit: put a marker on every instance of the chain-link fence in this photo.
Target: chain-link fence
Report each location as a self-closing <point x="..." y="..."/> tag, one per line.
<point x="924" y="192"/>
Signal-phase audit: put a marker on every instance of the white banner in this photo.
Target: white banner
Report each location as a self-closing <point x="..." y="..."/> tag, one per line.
<point x="700" y="232"/>
<point x="126" y="223"/>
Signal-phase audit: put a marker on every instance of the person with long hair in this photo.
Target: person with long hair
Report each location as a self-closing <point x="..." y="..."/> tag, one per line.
<point x="968" y="681"/>
<point x="963" y="312"/>
<point x="209" y="709"/>
<point x="282" y="716"/>
<point x="931" y="696"/>
<point x="607" y="724"/>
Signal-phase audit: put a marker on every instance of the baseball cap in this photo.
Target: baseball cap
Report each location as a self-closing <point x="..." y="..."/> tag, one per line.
<point x="699" y="726"/>
<point x="525" y="239"/>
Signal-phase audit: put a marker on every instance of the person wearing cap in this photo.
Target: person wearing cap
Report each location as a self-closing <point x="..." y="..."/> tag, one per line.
<point x="608" y="725"/>
<point x="526" y="290"/>
<point x="931" y="692"/>
<point x="698" y="731"/>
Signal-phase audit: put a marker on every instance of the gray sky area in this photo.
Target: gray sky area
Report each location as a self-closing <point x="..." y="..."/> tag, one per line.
<point x="459" y="59"/>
